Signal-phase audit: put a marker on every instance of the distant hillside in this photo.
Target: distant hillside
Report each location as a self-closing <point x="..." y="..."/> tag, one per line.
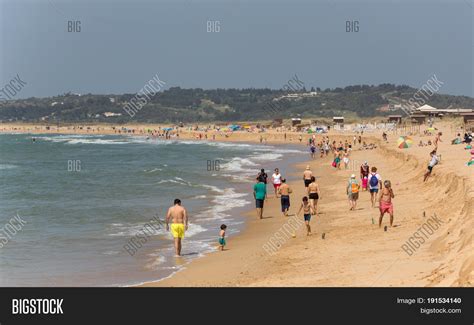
<point x="198" y="105"/>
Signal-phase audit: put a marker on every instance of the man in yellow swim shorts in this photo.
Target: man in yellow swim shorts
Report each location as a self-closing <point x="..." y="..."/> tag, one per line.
<point x="179" y="224"/>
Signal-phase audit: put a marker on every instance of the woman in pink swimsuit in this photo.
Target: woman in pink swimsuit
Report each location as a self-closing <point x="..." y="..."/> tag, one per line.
<point x="385" y="202"/>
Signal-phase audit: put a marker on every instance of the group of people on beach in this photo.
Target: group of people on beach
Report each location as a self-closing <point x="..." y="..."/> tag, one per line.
<point x="370" y="181"/>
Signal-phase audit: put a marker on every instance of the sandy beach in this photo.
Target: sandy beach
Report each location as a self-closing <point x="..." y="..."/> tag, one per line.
<point x="354" y="250"/>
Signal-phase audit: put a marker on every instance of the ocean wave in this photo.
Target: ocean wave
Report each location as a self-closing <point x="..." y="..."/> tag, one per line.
<point x="180" y="181"/>
<point x="7" y="166"/>
<point x="267" y="156"/>
<point x="239" y="164"/>
<point x="198" y="197"/>
<point x="130" y="230"/>
<point x="155" y="263"/>
<point x="222" y="204"/>
<point x="82" y="139"/>
<point x="153" y="170"/>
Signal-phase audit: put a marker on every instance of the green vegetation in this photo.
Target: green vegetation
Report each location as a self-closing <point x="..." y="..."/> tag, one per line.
<point x="199" y="105"/>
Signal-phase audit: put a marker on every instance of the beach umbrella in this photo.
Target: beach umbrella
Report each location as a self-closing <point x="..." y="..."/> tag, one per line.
<point x="430" y="129"/>
<point x="404" y="142"/>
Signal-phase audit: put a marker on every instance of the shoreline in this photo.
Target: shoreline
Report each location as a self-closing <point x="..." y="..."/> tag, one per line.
<point x="247" y="264"/>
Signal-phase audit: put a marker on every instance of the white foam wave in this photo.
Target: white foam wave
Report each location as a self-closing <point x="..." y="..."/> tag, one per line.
<point x="82" y="139"/>
<point x="7" y="166"/>
<point x="222" y="204"/>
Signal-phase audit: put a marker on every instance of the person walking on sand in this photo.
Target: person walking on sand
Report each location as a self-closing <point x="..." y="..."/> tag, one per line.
<point x="307" y="212"/>
<point x="364" y="175"/>
<point x="179" y="224"/>
<point x="260" y="194"/>
<point x="375" y="182"/>
<point x="314" y="194"/>
<point x="345" y="159"/>
<point x="276" y="179"/>
<point x="312" y="148"/>
<point x="285" y="192"/>
<point x="433" y="162"/>
<point x="352" y="191"/>
<point x="307" y="174"/>
<point x="386" y="205"/>
<point x="437" y="140"/>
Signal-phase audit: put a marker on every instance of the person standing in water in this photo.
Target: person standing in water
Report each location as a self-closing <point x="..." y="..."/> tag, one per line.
<point x="314" y="194"/>
<point x="222" y="241"/>
<point x="307" y="212"/>
<point x="179" y="224"/>
<point x="386" y="205"/>
<point x="284" y="191"/>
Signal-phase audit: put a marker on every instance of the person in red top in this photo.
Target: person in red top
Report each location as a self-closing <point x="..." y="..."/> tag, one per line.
<point x="364" y="175"/>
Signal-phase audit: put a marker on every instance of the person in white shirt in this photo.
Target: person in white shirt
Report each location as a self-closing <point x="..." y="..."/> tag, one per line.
<point x="433" y="162"/>
<point x="276" y="178"/>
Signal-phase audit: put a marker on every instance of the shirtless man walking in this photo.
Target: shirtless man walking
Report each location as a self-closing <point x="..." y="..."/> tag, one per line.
<point x="284" y="191"/>
<point x="307" y="174"/>
<point x="314" y="194"/>
<point x="179" y="224"/>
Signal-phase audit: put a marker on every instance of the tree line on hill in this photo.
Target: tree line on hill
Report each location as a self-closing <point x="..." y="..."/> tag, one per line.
<point x="176" y="105"/>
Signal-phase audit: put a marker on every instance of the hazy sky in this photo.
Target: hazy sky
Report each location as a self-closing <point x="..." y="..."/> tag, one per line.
<point x="123" y="44"/>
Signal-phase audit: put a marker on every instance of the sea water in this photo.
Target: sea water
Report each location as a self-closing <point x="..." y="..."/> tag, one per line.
<point x="83" y="197"/>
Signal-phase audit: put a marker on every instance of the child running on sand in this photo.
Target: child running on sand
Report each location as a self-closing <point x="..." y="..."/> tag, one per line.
<point x="386" y="205"/>
<point x="307" y="212"/>
<point x="222" y="242"/>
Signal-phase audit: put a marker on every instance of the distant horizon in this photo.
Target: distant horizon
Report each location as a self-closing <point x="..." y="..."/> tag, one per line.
<point x="308" y="89"/>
